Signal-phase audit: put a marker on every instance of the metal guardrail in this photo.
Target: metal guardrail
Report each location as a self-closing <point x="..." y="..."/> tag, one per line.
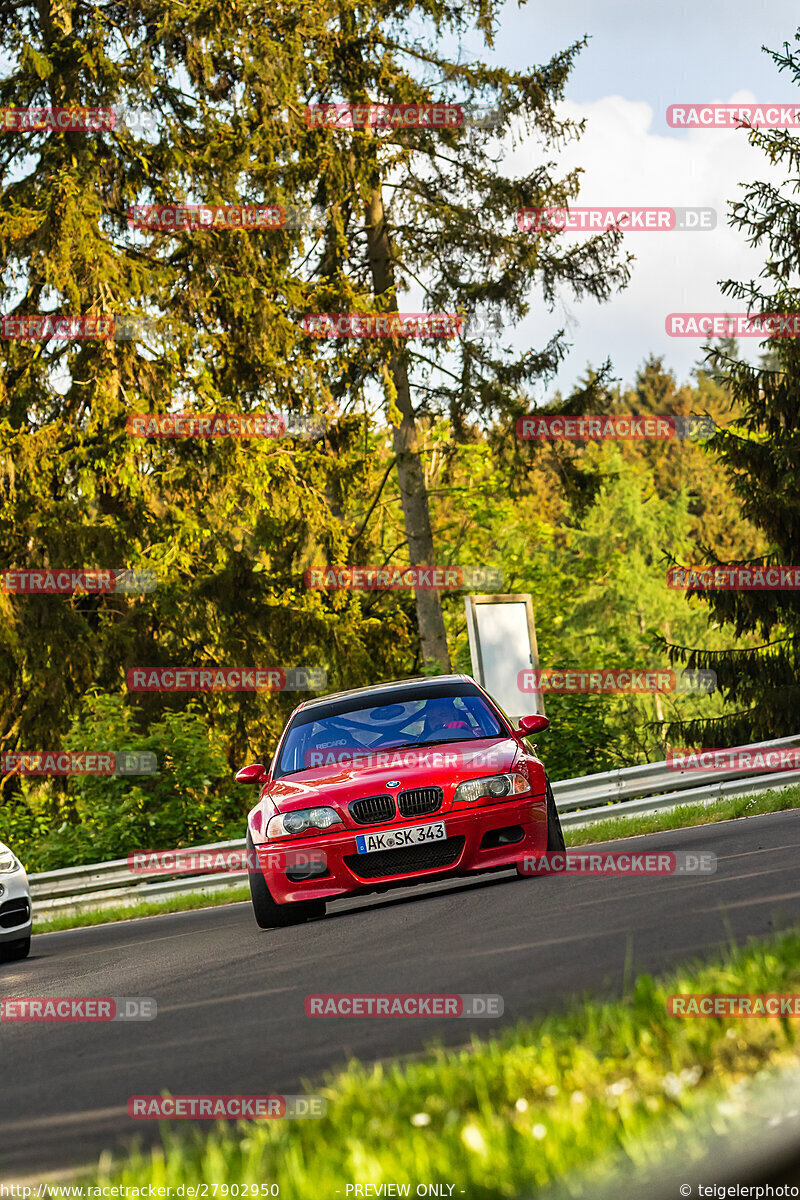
<point x="654" y="786"/>
<point x="627" y="791"/>
<point x="76" y="889"/>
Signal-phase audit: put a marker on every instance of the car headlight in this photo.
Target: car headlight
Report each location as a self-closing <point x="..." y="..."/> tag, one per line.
<point x="301" y="821"/>
<point x="7" y="862"/>
<point x="492" y="787"/>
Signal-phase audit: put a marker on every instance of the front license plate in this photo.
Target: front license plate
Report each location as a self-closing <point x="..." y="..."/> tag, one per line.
<point x="392" y="839"/>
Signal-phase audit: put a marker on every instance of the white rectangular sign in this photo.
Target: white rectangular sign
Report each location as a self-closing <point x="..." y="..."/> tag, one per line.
<point x="502" y="642"/>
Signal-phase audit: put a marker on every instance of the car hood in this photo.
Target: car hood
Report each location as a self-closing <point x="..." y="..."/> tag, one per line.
<point x="449" y="762"/>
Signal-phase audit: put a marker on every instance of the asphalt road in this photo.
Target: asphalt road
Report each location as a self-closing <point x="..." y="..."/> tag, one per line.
<point x="230" y="996"/>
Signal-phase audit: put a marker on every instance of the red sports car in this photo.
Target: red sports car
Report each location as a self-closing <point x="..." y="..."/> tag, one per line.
<point x="388" y="785"/>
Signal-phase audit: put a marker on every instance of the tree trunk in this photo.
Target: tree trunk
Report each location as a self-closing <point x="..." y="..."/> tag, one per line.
<point x="411" y="478"/>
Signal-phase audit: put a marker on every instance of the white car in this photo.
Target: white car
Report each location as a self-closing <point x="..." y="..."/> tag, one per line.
<point x="15" y="908"/>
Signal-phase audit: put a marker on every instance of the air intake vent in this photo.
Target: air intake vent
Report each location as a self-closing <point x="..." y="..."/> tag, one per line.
<point x="428" y="856"/>
<point x="14" y="912"/>
<point x="420" y="801"/>
<point x="372" y="810"/>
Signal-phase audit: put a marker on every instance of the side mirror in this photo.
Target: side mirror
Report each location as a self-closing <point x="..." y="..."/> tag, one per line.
<point x="255" y="773"/>
<point x="534" y="724"/>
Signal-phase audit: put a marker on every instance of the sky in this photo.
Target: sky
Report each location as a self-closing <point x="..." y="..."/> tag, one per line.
<point x="643" y="56"/>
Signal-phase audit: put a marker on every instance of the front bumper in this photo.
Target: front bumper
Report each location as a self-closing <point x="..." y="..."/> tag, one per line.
<point x="16" y="918"/>
<point x="466" y="830"/>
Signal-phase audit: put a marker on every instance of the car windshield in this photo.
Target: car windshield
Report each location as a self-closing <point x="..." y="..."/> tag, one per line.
<point x="418" y="722"/>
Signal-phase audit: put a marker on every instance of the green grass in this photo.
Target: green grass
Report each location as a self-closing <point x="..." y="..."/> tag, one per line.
<point x="153" y="908"/>
<point x="598" y="831"/>
<point x="592" y="1088"/>
<point x="685" y="815"/>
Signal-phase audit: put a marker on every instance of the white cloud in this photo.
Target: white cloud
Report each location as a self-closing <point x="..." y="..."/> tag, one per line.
<point x="625" y="162"/>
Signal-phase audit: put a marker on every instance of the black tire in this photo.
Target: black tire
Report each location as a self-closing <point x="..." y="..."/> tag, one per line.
<point x="270" y="915"/>
<point x="555" y="834"/>
<point x="13" y="951"/>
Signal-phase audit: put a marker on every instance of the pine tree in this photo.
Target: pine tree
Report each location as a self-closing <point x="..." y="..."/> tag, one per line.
<point x="760" y="453"/>
<point x="225" y="526"/>
<point x="431" y="213"/>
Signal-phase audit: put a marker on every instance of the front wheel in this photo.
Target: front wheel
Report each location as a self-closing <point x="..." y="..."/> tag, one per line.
<point x="555" y="834"/>
<point x="270" y="915"/>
